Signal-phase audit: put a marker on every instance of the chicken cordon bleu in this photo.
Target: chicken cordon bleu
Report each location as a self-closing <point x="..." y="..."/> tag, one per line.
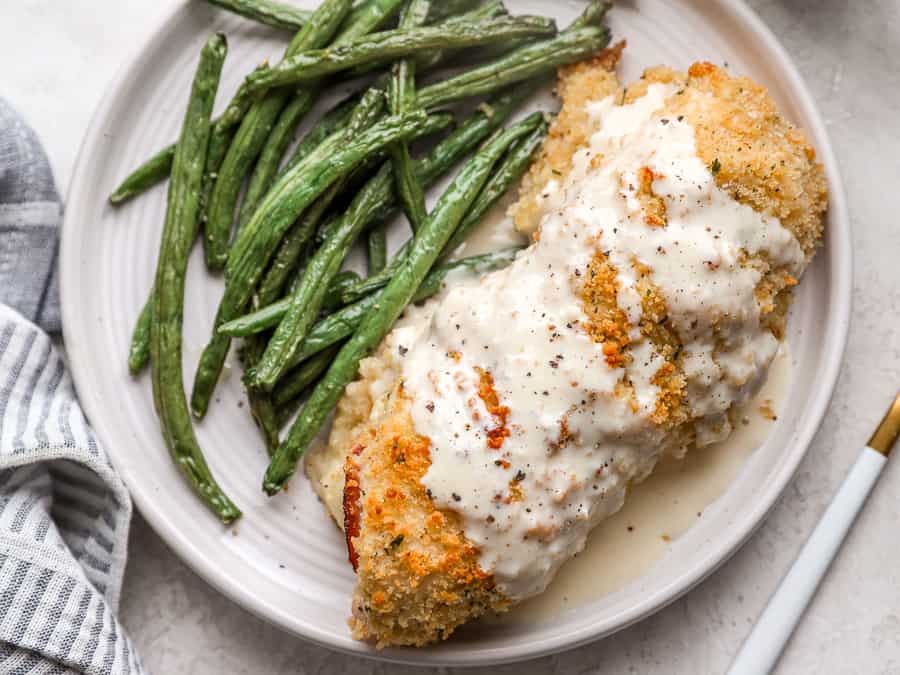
<point x="670" y="220"/>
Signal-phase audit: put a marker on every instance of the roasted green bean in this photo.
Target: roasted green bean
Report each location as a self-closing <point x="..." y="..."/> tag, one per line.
<point x="179" y="233"/>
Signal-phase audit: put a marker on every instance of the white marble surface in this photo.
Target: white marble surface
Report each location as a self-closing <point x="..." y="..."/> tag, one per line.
<point x="57" y="59"/>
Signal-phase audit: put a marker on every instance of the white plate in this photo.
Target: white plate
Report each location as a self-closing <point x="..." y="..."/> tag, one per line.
<point x="284" y="560"/>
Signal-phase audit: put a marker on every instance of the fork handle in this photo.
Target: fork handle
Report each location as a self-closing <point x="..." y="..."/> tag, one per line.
<point x="761" y="650"/>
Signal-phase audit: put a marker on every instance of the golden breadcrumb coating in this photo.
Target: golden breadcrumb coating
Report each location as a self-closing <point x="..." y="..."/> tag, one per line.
<point x="418" y="576"/>
<point x="762" y="159"/>
<point x="578" y="84"/>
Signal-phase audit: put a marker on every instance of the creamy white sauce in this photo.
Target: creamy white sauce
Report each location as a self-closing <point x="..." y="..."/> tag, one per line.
<point x="676" y="496"/>
<point x="530" y="504"/>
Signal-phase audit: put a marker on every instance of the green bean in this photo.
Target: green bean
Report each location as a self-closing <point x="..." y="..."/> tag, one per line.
<point x="255" y="129"/>
<point x="389" y="45"/>
<point x="179" y="232"/>
<point x="296" y="239"/>
<point x="365" y="19"/>
<point x="342" y="323"/>
<point x="374" y="200"/>
<point x="335" y="119"/>
<point x="286" y="412"/>
<point x="308" y="299"/>
<point x="151" y="172"/>
<point x="257" y="321"/>
<point x="376" y="248"/>
<point x="509" y="171"/>
<point x="592" y="15"/>
<point x="139" y="351"/>
<point x="523" y="63"/>
<point x="298" y="383"/>
<point x="370" y="107"/>
<point x="362" y="116"/>
<point x="402" y="97"/>
<point x="262" y="407"/>
<point x="450" y="9"/>
<point x="299" y="267"/>
<point x="292" y="246"/>
<point x="448" y="151"/>
<point x="432" y="58"/>
<point x="220" y="141"/>
<point x="429" y="242"/>
<point x="341" y="280"/>
<point x="270" y="13"/>
<point x="273" y="149"/>
<point x="498" y="109"/>
<point x="156" y="169"/>
<point x="375" y="281"/>
<point x="286" y="200"/>
<point x="299" y="379"/>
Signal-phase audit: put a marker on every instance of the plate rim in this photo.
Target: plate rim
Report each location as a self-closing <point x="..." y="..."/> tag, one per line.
<point x="840" y="298"/>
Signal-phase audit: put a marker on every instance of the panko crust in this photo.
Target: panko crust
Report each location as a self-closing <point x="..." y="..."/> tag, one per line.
<point x="419" y="576"/>
<point x="764" y="161"/>
<point x="758" y="157"/>
<point x="579" y="83"/>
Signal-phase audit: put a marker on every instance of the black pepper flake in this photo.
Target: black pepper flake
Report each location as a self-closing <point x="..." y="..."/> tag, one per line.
<point x="490" y="519"/>
<point x="520" y="476"/>
<point x="429" y="406"/>
<point x="403" y="350"/>
<point x="456" y="497"/>
<point x="395" y="542"/>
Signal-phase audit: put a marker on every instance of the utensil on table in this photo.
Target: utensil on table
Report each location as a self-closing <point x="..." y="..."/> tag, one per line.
<point x="763" y="647"/>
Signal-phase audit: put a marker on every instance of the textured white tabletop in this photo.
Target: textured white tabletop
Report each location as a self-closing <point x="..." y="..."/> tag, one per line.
<point x="57" y="60"/>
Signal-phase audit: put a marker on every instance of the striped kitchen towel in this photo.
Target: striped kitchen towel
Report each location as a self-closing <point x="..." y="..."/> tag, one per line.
<point x="64" y="513"/>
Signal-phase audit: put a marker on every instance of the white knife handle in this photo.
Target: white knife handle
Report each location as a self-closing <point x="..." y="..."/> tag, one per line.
<point x="762" y="648"/>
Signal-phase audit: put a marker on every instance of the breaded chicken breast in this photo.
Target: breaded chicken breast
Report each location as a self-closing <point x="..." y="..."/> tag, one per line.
<point x="671" y="219"/>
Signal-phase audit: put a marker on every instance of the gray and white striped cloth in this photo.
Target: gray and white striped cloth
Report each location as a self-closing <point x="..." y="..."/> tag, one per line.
<point x="64" y="513"/>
